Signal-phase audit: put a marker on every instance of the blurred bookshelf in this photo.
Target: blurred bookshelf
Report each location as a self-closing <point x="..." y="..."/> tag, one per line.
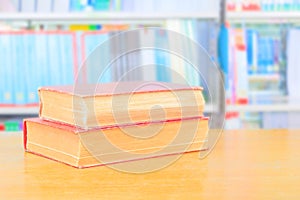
<point x="44" y="30"/>
<point x="109" y="16"/>
<point x="262" y="17"/>
<point x="270" y="25"/>
<point x="265" y="36"/>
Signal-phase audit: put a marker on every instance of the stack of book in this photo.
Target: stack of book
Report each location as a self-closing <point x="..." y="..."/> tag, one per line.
<point x="93" y="125"/>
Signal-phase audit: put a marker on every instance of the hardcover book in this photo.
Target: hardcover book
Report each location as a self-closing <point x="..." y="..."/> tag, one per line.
<point x="110" y="104"/>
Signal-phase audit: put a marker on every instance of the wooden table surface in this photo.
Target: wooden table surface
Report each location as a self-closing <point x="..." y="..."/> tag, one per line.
<point x="244" y="165"/>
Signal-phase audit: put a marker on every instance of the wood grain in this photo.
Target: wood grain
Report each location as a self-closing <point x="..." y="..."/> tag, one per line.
<point x="244" y="165"/>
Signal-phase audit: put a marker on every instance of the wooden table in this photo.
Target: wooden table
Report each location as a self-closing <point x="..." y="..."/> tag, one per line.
<point x="244" y="165"/>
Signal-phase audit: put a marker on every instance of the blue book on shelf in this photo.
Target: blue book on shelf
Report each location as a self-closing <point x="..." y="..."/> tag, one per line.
<point x="252" y="50"/>
<point x="2" y="71"/>
<point x="271" y="54"/>
<point x="42" y="60"/>
<point x="249" y="42"/>
<point x="114" y="5"/>
<point x="60" y="54"/>
<point x="203" y="36"/>
<point x="31" y="69"/>
<point x="68" y="46"/>
<point x="261" y="55"/>
<point x="9" y="78"/>
<point x="21" y="91"/>
<point x="66" y="58"/>
<point x="75" y="5"/>
<point x="54" y="55"/>
<point x="223" y="46"/>
<point x="100" y="5"/>
<point x="96" y="69"/>
<point x="162" y="58"/>
<point x="45" y="62"/>
<point x="266" y="56"/>
<point x="17" y="69"/>
<point x="7" y="68"/>
<point x="185" y="48"/>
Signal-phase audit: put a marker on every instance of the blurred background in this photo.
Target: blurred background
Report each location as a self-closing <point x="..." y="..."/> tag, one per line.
<point x="255" y="43"/>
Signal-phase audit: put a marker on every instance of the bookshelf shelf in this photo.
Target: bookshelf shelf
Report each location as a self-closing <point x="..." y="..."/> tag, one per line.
<point x="258" y="108"/>
<point x="264" y="108"/>
<point x="262" y="17"/>
<point x="104" y="16"/>
<point x="264" y="77"/>
<point x="19" y="110"/>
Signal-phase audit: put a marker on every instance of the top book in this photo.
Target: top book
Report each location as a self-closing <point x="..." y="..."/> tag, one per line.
<point x="119" y="103"/>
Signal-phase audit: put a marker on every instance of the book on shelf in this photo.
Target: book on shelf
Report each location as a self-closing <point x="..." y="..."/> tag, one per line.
<point x="263" y="5"/>
<point x="30" y="59"/>
<point x="61" y="6"/>
<point x="53" y="58"/>
<point x="119" y="103"/>
<point x="43" y="6"/>
<point x="255" y="61"/>
<point x="27" y="6"/>
<point x="82" y="148"/>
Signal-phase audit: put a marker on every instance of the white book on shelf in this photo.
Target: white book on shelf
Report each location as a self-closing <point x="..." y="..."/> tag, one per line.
<point x="293" y="61"/>
<point x="178" y="74"/>
<point x="43" y="6"/>
<point x="147" y="61"/>
<point x="241" y="66"/>
<point x="144" y="6"/>
<point x="275" y="120"/>
<point x="61" y="6"/>
<point x="28" y="6"/>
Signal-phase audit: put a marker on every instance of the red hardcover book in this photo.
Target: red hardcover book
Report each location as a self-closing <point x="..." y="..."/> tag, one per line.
<point x="83" y="148"/>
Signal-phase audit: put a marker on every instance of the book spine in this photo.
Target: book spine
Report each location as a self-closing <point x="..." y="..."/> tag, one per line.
<point x="28" y="6"/>
<point x="25" y="135"/>
<point x="149" y="69"/>
<point x="54" y="55"/>
<point x="44" y="6"/>
<point x="61" y="6"/>
<point x="2" y="71"/>
<point x="161" y="57"/>
<point x="32" y="84"/>
<point x="97" y="72"/>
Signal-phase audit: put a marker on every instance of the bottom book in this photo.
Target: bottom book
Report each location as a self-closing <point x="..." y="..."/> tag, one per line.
<point x="83" y="148"/>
